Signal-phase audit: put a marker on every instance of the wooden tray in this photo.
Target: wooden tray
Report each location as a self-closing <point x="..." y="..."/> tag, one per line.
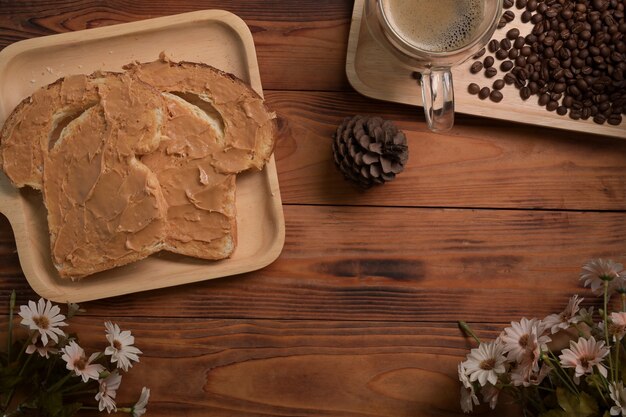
<point x="215" y="37"/>
<point x="375" y="73"/>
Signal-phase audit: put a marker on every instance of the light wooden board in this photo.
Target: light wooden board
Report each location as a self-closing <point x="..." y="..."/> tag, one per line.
<point x="373" y="72"/>
<point x="214" y="37"/>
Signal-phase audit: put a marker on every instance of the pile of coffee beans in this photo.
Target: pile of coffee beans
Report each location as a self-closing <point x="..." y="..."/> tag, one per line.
<point x="574" y="59"/>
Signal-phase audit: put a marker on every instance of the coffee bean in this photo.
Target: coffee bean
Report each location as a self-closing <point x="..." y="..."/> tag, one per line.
<point x="568" y="102"/>
<point x="502" y="54"/>
<point x="573" y="91"/>
<point x="513" y="53"/>
<point x="484" y="93"/>
<point x="509" y="78"/>
<point x="532" y="5"/>
<point x="552" y="105"/>
<point x="496" y="96"/>
<point x="599" y="119"/>
<point x="491" y="72"/>
<point x="512" y="34"/>
<point x="614" y="119"/>
<point x="508" y="16"/>
<point x="505" y="44"/>
<point x="561" y="110"/>
<point x="543" y="99"/>
<point x="501" y="23"/>
<point x="536" y="18"/>
<point x="542" y="7"/>
<point x="476" y="67"/>
<point x="524" y="93"/>
<point x="507" y="4"/>
<point x="521" y="4"/>
<point x="506" y="65"/>
<point x="493" y="45"/>
<point x="520" y="61"/>
<point x="473" y="88"/>
<point x="526" y="51"/>
<point x="498" y="84"/>
<point x="526" y="15"/>
<point x="488" y="62"/>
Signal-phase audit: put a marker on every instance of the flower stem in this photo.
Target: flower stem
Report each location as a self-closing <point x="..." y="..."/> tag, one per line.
<point x="606" y="328"/>
<point x="10" y="335"/>
<point x="12" y="392"/>
<point x="465" y="327"/>
<point x="561" y="373"/>
<point x="60" y="382"/>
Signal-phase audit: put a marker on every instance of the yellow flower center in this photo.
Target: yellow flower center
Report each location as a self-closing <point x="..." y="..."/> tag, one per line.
<point x="488" y="364"/>
<point x="523" y="341"/>
<point x="584" y="360"/>
<point x="41" y="321"/>
<point x="80" y="364"/>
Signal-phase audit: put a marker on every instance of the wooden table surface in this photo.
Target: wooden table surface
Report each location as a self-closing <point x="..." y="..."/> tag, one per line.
<point x="490" y="222"/>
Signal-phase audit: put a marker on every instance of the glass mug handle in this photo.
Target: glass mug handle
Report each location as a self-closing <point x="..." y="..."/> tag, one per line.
<point x="438" y="98"/>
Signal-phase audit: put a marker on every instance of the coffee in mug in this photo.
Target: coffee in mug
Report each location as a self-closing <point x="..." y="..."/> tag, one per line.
<point x="432" y="37"/>
<point x="435" y="26"/>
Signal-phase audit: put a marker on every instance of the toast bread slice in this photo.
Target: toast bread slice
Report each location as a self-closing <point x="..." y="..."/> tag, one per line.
<point x="80" y="139"/>
<point x="201" y="213"/>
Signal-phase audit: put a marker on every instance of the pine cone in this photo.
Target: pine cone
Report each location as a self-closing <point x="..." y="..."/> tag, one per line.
<point x="369" y="150"/>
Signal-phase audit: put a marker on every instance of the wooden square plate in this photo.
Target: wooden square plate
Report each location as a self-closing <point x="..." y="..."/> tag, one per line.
<point x="215" y="37"/>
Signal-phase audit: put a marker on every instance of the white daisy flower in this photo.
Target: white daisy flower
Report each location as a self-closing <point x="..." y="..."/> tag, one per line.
<point x="121" y="350"/>
<point x="527" y="373"/>
<point x="468" y="394"/>
<point x="597" y="271"/>
<point x="74" y="355"/>
<point x="618" y="394"/>
<point x="485" y="363"/>
<point x="566" y="318"/>
<point x="523" y="336"/>
<point x="107" y="392"/>
<point x="139" y="409"/>
<point x="44" y="351"/>
<point x="617" y="326"/>
<point x="44" y="318"/>
<point x="584" y="355"/>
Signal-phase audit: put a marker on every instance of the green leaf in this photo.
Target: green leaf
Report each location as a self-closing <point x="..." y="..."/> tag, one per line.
<point x="582" y="405"/>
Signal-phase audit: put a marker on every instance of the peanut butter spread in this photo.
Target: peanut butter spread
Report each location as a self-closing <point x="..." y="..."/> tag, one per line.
<point x="241" y="114"/>
<point x="200" y="200"/>
<point x="105" y="208"/>
<point x="30" y="129"/>
<point x="134" y="163"/>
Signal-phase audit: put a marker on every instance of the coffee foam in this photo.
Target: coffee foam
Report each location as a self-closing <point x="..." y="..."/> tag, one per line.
<point x="438" y="26"/>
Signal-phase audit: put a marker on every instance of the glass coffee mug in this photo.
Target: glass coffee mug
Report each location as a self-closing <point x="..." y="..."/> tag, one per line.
<point x="431" y="37"/>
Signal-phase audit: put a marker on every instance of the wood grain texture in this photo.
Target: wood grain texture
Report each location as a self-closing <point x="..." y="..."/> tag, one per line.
<point x="301" y="45"/>
<point x="286" y="368"/>
<point x="396" y="264"/>
<point x="357" y="316"/>
<point x="501" y="165"/>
